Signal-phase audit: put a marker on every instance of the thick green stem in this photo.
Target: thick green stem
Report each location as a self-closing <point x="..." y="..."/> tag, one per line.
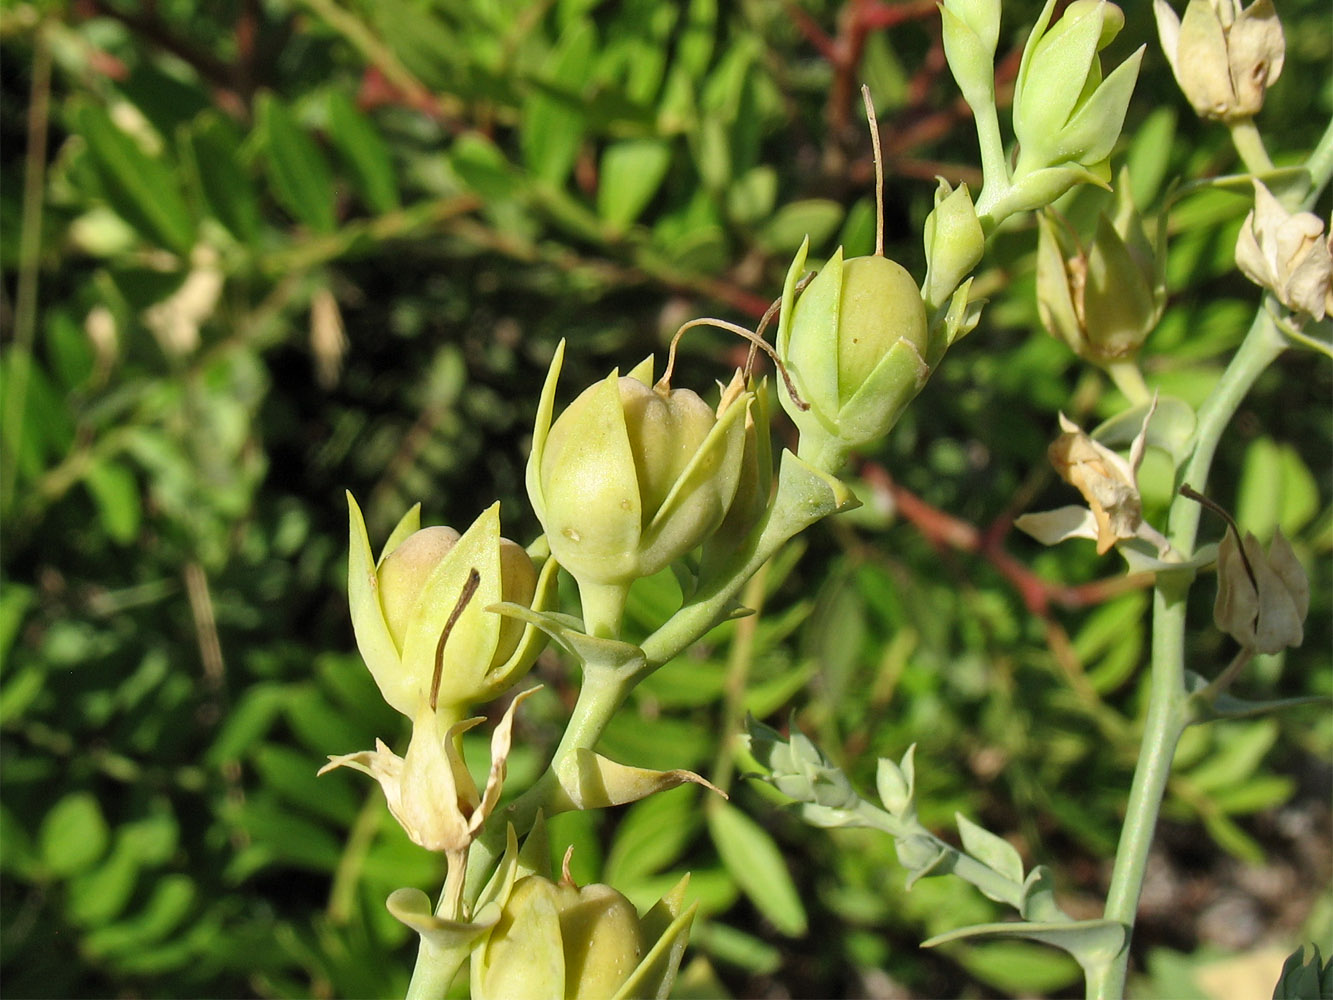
<point x="603" y="608"/>
<point x="1263" y="343"/>
<point x="994" y="164"/>
<point x="1129" y="380"/>
<point x="435" y="970"/>
<point x="1320" y="167"/>
<point x="1167" y="714"/>
<point x="602" y="693"/>
<point x="1165" y="721"/>
<point x="1250" y="146"/>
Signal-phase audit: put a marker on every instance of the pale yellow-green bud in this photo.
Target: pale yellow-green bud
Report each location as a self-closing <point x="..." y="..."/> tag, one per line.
<point x="559" y="941"/>
<point x="630" y="478"/>
<point x="854" y="347"/>
<point x="556" y="941"/>
<point x="1224" y="57"/>
<point x="402" y="605"/>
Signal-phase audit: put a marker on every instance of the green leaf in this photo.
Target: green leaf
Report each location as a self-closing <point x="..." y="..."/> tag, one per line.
<point x="754" y="860"/>
<point x="365" y="153"/>
<point x="1276" y="490"/>
<point x="141" y="188"/>
<point x="116" y="493"/>
<point x="735" y="947"/>
<point x="17" y="856"/>
<point x="248" y="722"/>
<point x="1232" y="839"/>
<point x="553" y="117"/>
<point x="173" y="897"/>
<point x="212" y="145"/>
<point x="662" y="744"/>
<point x="1238" y="748"/>
<point x="73" y="834"/>
<point x="684" y="682"/>
<point x="152" y="840"/>
<point x="816" y="218"/>
<point x="1305" y="977"/>
<point x="653" y="833"/>
<point x="1227" y="706"/>
<point x="752" y="195"/>
<point x="291" y="774"/>
<point x="1018" y="968"/>
<point x="482" y="167"/>
<point x="15" y="599"/>
<point x="631" y="173"/>
<point x="279" y="835"/>
<point x="71" y="350"/>
<point x="1264" y="791"/>
<point x="1149" y="154"/>
<point x="100" y="895"/>
<point x="991" y="850"/>
<point x="767" y="697"/>
<point x="300" y="175"/>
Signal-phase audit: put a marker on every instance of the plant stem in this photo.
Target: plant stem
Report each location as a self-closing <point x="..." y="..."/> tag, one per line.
<point x="1319" y="165"/>
<point x="738" y="673"/>
<point x="1129" y="380"/>
<point x="1250" y="146"/>
<point x="1263" y="343"/>
<point x="603" y="607"/>
<point x="435" y="970"/>
<point x="994" y="165"/>
<point x="1168" y="714"/>
<point x="1165" y="721"/>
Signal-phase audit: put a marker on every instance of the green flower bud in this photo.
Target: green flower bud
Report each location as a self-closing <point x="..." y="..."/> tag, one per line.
<point x="1102" y="300"/>
<point x="1065" y="114"/>
<point x="628" y="479"/>
<point x="1223" y="57"/>
<point x="853" y="345"/>
<point x="981" y="17"/>
<point x="402" y="604"/>
<point x="954" y="242"/>
<point x="556" y="941"/>
<point x="971" y="30"/>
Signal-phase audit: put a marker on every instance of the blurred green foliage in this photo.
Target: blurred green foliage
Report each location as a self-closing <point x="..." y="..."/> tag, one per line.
<point x="257" y="253"/>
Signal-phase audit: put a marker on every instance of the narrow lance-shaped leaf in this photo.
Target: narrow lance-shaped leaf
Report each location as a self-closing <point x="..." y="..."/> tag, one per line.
<point x="758" y="867"/>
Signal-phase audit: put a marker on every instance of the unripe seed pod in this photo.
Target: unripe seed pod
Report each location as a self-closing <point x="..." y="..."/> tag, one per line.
<point x="420" y="617"/>
<point x="854" y="345"/>
<point x="559" y="941"/>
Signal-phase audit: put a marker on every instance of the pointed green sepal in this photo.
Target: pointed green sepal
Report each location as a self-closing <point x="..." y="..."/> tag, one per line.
<point x="590" y="781"/>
